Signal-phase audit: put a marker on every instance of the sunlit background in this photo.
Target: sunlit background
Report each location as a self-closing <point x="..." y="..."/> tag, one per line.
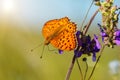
<point x="21" y="22"/>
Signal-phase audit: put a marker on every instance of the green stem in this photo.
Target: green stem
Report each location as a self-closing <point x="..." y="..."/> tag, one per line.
<point x="74" y="58"/>
<point x="70" y="68"/>
<point x="86" y="15"/>
<point x="96" y="62"/>
<point x="81" y="74"/>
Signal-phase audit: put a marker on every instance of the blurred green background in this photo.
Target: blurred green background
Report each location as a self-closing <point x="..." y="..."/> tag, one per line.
<point x="20" y="30"/>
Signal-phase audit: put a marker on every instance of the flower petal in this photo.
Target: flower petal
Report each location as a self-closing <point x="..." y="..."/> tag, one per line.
<point x="97" y="42"/>
<point x="77" y="53"/>
<point x="60" y="51"/>
<point x="117" y="33"/>
<point x="117" y="42"/>
<point x="78" y="38"/>
<point x="94" y="56"/>
<point x="78" y="33"/>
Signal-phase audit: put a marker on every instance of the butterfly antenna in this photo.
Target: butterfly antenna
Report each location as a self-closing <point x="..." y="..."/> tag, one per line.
<point x="97" y="62"/>
<point x="86" y="15"/>
<point x="42" y="52"/>
<point x="36" y="47"/>
<point x="79" y="69"/>
<point x="85" y="60"/>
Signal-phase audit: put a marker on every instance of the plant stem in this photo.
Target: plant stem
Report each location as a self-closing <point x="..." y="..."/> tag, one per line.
<point x="81" y="74"/>
<point x="96" y="62"/>
<point x="88" y="25"/>
<point x="74" y="57"/>
<point x="70" y="68"/>
<point x="86" y="70"/>
<point x="86" y="15"/>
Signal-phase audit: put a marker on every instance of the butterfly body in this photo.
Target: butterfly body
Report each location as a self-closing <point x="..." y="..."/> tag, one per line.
<point x="60" y="33"/>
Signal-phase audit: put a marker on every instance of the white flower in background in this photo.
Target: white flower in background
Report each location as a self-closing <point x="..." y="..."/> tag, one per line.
<point x="114" y="67"/>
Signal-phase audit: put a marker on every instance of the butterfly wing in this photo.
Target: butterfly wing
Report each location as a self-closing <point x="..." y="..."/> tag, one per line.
<point x="60" y="33"/>
<point x="49" y="28"/>
<point x="53" y="27"/>
<point x="64" y="41"/>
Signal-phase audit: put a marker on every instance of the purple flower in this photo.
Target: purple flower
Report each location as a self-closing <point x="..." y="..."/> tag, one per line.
<point x="115" y="40"/>
<point x="94" y="57"/>
<point x="117" y="37"/>
<point x="96" y="47"/>
<point x="60" y="51"/>
<point x="78" y="38"/>
<point x="103" y="34"/>
<point x="78" y="53"/>
<point x="87" y="46"/>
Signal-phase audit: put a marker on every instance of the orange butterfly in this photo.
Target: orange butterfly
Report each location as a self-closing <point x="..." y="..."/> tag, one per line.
<point x="60" y="33"/>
